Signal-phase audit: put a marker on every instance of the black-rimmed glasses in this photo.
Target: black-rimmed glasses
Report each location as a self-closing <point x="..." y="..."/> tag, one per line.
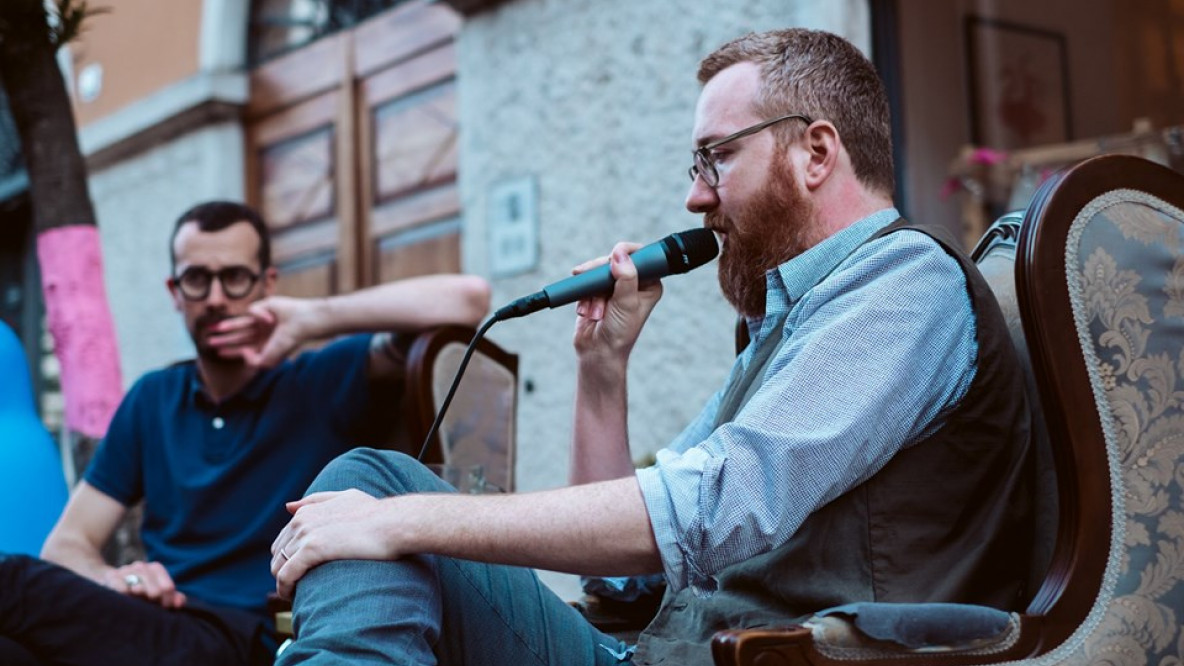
<point x="704" y="163"/>
<point x="194" y="282"/>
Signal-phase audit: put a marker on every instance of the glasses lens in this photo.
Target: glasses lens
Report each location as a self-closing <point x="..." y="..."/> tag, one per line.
<point x="195" y="283"/>
<point x="237" y="281"/>
<point x="705" y="168"/>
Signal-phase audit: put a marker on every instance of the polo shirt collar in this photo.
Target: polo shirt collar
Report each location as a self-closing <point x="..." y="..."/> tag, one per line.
<point x="254" y="391"/>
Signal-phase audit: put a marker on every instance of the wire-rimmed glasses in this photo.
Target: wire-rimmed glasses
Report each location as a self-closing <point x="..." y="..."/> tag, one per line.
<point x="704" y="163"/>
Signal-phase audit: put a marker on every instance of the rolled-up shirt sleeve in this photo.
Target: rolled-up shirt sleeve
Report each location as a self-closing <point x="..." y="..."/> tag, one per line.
<point x="872" y="358"/>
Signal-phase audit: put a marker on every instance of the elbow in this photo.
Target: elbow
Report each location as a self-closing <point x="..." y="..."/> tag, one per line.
<point x="54" y="547"/>
<point x="477" y="296"/>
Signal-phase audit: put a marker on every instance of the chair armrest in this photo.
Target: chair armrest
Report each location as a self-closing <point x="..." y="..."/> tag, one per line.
<point x="783" y="646"/>
<point x="833" y="638"/>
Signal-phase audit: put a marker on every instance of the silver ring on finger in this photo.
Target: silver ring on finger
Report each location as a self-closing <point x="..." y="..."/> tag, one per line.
<point x="285" y="554"/>
<point x="132" y="580"/>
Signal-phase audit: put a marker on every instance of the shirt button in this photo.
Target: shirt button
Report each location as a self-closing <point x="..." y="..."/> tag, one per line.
<point x="218" y="423"/>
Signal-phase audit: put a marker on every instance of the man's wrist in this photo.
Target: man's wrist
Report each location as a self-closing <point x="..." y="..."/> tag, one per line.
<point x="400" y="529"/>
<point x="602" y="369"/>
<point x="319" y="318"/>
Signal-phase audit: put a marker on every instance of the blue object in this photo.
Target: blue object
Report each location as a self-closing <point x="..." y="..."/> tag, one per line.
<point x="32" y="487"/>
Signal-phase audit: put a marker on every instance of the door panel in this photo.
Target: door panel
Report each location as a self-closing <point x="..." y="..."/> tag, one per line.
<point x="428" y="248"/>
<point x="415" y="141"/>
<point x="352" y="153"/>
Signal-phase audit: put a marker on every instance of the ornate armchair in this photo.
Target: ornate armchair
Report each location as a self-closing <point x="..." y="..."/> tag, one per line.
<point x="1099" y="279"/>
<point x="479" y="427"/>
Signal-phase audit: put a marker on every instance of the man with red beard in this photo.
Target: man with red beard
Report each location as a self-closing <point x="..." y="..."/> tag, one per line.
<point x="214" y="448"/>
<point x="871" y="444"/>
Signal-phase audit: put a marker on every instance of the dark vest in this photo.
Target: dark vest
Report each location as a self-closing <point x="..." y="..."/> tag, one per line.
<point x="947" y="519"/>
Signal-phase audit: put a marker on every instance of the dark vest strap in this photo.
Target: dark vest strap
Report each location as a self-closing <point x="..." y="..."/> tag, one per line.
<point x="742" y="390"/>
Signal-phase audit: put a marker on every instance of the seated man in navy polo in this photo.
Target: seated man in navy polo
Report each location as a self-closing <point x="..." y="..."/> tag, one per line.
<point x="215" y="447"/>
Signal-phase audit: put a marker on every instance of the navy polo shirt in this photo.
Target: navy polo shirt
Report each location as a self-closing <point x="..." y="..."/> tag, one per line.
<point x="215" y="477"/>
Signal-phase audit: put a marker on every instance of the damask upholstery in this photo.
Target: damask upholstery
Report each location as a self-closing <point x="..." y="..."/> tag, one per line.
<point x="1128" y="292"/>
<point x="1100" y="282"/>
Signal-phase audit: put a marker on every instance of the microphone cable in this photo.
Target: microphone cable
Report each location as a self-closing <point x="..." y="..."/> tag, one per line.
<point x="460" y="371"/>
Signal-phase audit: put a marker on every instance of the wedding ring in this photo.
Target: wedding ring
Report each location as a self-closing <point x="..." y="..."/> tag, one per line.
<point x="132" y="580"/>
<point x="285" y="554"/>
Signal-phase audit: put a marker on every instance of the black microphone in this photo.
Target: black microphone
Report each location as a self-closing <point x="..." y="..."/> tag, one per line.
<point x="676" y="253"/>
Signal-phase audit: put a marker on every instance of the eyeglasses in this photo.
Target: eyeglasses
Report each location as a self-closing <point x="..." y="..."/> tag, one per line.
<point x="704" y="165"/>
<point x="194" y="282"/>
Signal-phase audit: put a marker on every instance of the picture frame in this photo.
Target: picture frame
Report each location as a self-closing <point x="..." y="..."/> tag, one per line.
<point x="1018" y="82"/>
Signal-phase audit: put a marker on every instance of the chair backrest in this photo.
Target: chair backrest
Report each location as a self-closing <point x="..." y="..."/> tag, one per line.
<point x="1100" y="279"/>
<point x="479" y="427"/>
<point x="995" y="257"/>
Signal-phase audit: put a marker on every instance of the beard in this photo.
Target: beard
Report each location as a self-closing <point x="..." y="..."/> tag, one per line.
<point x="200" y="333"/>
<point x="776" y="226"/>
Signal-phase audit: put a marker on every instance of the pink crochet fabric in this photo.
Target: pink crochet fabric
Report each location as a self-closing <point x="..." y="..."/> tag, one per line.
<point x="80" y="321"/>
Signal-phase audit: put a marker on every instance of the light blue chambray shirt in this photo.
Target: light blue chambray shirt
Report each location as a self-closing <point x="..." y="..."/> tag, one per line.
<point x="878" y="345"/>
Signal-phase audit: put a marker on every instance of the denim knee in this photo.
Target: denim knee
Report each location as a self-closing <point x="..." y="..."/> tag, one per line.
<point x="378" y="473"/>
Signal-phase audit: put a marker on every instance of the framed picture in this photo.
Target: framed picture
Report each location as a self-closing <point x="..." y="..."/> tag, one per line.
<point x="1019" y="85"/>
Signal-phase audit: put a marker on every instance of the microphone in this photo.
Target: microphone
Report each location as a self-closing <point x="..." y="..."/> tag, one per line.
<point x="676" y="253"/>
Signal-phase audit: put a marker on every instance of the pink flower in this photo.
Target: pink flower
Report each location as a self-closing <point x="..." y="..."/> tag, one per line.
<point x="987" y="156"/>
<point x="948" y="188"/>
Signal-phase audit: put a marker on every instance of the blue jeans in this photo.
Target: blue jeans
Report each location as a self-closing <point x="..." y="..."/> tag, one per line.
<point x="430" y="609"/>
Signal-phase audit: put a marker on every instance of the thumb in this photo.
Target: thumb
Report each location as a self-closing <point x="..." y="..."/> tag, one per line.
<point x="313" y="498"/>
<point x="621" y="265"/>
<point x="251" y="357"/>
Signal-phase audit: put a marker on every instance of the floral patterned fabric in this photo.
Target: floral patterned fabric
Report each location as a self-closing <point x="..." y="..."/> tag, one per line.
<point x="1128" y="288"/>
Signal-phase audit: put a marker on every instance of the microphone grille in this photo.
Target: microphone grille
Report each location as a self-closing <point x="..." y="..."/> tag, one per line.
<point x="696" y="247"/>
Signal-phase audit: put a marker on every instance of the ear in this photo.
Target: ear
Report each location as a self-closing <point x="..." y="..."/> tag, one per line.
<point x="175" y="293"/>
<point x="269" y="279"/>
<point x="823" y="146"/>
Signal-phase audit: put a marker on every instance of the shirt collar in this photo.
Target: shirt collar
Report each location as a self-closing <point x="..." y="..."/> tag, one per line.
<point x="788" y="282"/>
<point x="254" y="391"/>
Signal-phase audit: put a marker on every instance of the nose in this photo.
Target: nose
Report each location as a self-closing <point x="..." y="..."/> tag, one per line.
<point x="702" y="198"/>
<point x="216" y="297"/>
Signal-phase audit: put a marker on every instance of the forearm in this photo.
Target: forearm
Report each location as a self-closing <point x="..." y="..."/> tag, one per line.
<point x="76" y="554"/>
<point x="411" y="304"/>
<point x="596" y="529"/>
<point x="86" y="524"/>
<point x="600" y="437"/>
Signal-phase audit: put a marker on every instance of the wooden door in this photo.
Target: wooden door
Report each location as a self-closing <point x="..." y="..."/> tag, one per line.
<point x="352" y="152"/>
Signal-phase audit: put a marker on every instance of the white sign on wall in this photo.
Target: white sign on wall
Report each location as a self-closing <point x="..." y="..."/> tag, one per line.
<point x="513" y="227"/>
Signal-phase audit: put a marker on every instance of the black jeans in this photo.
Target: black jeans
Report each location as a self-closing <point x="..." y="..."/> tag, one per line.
<point x="50" y="615"/>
